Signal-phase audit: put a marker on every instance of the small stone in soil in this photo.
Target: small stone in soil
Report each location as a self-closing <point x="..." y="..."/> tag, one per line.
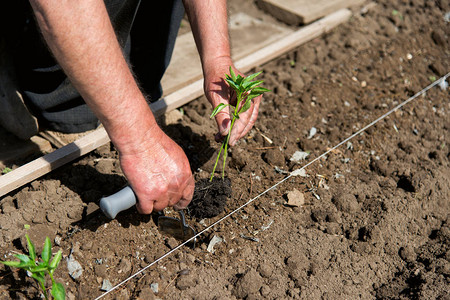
<point x="210" y="197"/>
<point x="106" y="285"/>
<point x="299" y="156"/>
<point x="171" y="242"/>
<point x="74" y="267"/>
<point x="154" y="286"/>
<point x="295" y="198"/>
<point x="214" y="241"/>
<point x="124" y="266"/>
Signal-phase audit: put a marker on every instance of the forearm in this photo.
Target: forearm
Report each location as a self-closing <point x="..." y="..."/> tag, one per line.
<point x="208" y="19"/>
<point x="81" y="37"/>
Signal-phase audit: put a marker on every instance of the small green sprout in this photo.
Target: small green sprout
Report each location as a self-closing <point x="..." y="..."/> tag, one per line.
<point x="246" y="89"/>
<point x="397" y="13"/>
<point x="37" y="269"/>
<point x="6" y="170"/>
<point x="432" y="78"/>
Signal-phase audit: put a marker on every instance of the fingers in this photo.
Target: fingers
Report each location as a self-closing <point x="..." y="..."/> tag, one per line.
<point x="178" y="195"/>
<point x="145" y="207"/>
<point x="245" y="122"/>
<point x="188" y="193"/>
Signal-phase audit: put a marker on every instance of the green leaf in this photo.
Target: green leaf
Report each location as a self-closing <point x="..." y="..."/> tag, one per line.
<point x="40" y="277"/>
<point x="246" y="106"/>
<point x="58" y="291"/>
<point x="24" y="258"/>
<point x="239" y="80"/>
<point x="261" y="90"/>
<point x="40" y="268"/>
<point x="218" y="109"/>
<point x="56" y="259"/>
<point x="233" y="76"/>
<point x="31" y="249"/>
<point x="11" y="263"/>
<point x="253" y="84"/>
<point x="252" y="76"/>
<point x="251" y="96"/>
<point x="232" y="84"/>
<point x="47" y="250"/>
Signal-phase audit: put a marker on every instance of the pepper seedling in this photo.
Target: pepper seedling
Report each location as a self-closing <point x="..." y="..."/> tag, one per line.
<point x="246" y="89"/>
<point x="39" y="270"/>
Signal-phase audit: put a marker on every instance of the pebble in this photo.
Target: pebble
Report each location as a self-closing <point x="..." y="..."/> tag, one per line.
<point x="74" y="267"/>
<point x="171" y="243"/>
<point x="214" y="241"/>
<point x="299" y="156"/>
<point x="58" y="240"/>
<point x="312" y="132"/>
<point x="106" y="285"/>
<point x="124" y="266"/>
<point x="155" y="287"/>
<point x="295" y="198"/>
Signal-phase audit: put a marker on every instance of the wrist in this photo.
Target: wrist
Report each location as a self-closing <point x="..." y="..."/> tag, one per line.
<point x="134" y="131"/>
<point x="215" y="66"/>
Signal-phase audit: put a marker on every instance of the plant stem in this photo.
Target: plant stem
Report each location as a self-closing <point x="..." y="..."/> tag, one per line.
<point x="217" y="161"/>
<point x="225" y="154"/>
<point x="44" y="290"/>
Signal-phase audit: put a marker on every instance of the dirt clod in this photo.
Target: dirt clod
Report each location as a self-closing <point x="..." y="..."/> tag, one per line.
<point x="210" y="197"/>
<point x="249" y="283"/>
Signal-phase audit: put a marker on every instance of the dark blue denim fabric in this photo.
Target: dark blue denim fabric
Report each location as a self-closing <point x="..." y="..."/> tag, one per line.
<point x="145" y="30"/>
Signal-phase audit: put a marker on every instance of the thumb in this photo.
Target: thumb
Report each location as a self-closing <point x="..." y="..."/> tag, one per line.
<point x="223" y="121"/>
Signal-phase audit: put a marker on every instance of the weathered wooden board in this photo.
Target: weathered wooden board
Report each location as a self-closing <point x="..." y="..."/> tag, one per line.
<point x="247" y="35"/>
<point x="295" y="12"/>
<point x="99" y="137"/>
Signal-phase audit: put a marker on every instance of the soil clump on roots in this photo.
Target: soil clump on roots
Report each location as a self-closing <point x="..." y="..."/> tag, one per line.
<point x="210" y="197"/>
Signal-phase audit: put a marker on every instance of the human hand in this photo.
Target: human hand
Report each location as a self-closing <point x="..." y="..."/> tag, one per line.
<point x="218" y="91"/>
<point x="158" y="171"/>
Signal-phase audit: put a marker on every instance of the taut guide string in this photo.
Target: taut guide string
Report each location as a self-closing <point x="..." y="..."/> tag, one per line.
<point x="293" y="173"/>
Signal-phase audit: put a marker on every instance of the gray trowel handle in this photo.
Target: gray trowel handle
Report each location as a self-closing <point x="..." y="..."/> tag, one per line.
<point x="122" y="200"/>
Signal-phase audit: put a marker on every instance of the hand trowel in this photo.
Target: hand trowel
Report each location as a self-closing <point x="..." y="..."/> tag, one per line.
<point x="125" y="199"/>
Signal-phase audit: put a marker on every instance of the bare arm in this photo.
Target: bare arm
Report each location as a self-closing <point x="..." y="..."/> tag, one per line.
<point x="209" y="23"/>
<point x="81" y="37"/>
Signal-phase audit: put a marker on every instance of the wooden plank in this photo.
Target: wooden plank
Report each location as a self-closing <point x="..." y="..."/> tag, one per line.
<point x="247" y="34"/>
<point x="51" y="161"/>
<point x="97" y="138"/>
<point x="295" y="12"/>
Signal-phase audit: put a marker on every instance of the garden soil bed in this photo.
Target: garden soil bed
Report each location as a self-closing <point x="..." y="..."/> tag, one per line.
<point x="373" y="222"/>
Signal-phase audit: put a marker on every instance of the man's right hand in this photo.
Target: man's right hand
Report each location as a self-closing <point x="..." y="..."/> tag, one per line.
<point x="159" y="174"/>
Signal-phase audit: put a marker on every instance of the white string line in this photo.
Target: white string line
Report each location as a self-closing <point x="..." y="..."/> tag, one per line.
<point x="293" y="173"/>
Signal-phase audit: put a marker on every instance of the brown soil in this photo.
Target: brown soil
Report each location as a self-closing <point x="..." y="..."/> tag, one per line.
<point x="375" y="219"/>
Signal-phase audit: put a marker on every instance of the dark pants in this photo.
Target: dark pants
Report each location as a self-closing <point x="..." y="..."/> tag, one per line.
<point x="146" y="32"/>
